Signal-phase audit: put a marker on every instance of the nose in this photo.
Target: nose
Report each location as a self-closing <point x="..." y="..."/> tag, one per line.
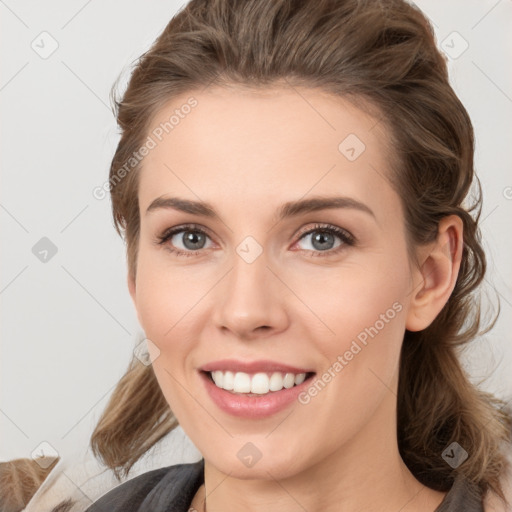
<point x="250" y="301"/>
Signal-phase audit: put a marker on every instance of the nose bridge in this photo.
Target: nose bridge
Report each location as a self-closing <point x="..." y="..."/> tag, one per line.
<point x="249" y="297"/>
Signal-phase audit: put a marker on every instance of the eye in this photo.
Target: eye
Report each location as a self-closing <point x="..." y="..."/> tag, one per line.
<point x="323" y="237"/>
<point x="192" y="238"/>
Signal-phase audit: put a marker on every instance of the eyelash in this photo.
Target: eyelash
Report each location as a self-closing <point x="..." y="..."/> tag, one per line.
<point x="347" y="238"/>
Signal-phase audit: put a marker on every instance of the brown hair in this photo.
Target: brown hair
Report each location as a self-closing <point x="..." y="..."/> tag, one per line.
<point x="382" y="56"/>
<point x="20" y="479"/>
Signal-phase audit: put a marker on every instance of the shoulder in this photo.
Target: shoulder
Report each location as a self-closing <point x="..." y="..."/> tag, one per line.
<point x="129" y="495"/>
<point x="153" y="490"/>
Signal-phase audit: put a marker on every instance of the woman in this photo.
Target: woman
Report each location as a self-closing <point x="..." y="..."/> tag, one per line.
<point x="292" y="184"/>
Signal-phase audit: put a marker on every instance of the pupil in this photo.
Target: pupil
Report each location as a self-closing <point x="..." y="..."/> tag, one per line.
<point x="321" y="237"/>
<point x="193" y="239"/>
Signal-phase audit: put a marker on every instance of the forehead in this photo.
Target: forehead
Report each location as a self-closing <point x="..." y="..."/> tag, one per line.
<point x="278" y="144"/>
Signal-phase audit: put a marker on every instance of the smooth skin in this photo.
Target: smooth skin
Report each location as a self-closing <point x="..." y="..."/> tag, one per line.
<point x="300" y="302"/>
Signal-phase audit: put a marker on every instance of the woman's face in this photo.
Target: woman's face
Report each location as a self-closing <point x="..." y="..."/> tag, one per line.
<point x="260" y="286"/>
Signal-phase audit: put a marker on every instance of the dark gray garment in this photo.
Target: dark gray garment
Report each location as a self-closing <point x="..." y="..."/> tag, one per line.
<point x="171" y="489"/>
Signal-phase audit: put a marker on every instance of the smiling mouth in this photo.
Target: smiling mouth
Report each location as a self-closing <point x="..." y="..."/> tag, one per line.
<point x="257" y="384"/>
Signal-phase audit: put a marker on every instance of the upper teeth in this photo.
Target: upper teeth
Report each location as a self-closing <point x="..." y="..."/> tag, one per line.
<point x="259" y="383"/>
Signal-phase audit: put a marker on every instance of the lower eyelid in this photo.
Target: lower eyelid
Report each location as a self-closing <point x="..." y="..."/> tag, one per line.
<point x="344" y="236"/>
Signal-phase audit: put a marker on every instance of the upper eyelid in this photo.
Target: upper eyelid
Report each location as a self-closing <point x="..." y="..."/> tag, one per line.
<point x="318" y="226"/>
<point x="169" y="232"/>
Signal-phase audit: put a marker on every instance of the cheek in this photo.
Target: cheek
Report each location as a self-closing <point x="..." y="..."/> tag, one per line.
<point x="171" y="299"/>
<point x="353" y="296"/>
<point x="362" y="311"/>
<point x="159" y="297"/>
<point x="340" y="302"/>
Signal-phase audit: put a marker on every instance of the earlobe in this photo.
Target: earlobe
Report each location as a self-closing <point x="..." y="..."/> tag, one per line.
<point x="437" y="274"/>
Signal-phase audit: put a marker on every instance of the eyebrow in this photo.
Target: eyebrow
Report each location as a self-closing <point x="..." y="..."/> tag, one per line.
<point x="289" y="209"/>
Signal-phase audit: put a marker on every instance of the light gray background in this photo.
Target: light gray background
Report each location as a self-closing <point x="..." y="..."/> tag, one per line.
<point x="68" y="326"/>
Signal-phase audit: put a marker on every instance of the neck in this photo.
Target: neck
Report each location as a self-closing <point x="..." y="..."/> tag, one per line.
<point x="366" y="473"/>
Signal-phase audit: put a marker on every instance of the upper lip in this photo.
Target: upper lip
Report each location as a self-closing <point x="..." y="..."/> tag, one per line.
<point x="262" y="365"/>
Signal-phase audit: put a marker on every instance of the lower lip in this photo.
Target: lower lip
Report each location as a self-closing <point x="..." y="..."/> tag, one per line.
<point x="253" y="407"/>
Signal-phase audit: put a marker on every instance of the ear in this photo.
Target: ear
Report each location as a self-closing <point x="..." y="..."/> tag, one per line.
<point x="133" y="295"/>
<point x="435" y="280"/>
<point x="131" y="287"/>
